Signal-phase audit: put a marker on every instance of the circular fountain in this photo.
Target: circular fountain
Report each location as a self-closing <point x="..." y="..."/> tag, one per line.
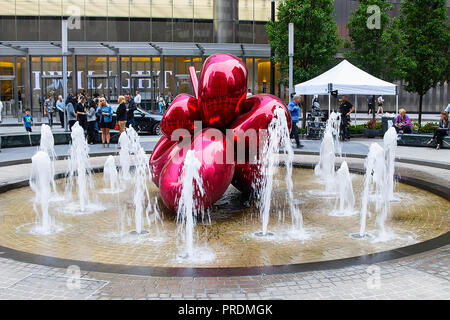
<point x="193" y="206"/>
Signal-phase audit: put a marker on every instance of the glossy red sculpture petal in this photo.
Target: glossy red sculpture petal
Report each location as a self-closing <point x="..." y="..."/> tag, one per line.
<point x="222" y="86"/>
<point x="259" y="117"/>
<point x="210" y="147"/>
<point x="181" y="114"/>
<point x="159" y="157"/>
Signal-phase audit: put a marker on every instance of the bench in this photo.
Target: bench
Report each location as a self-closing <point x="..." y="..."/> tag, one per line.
<point x="419" y="140"/>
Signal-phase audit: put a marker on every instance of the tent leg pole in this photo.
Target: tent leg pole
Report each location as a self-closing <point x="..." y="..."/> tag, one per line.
<point x="356" y="109"/>
<point x="329" y="104"/>
<point x="396" y="104"/>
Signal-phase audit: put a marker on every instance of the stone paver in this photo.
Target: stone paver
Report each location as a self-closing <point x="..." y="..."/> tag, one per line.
<point x="413" y="277"/>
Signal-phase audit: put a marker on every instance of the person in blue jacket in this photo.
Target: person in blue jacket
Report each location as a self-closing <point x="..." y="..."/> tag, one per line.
<point x="105" y="112"/>
<point x="294" y="109"/>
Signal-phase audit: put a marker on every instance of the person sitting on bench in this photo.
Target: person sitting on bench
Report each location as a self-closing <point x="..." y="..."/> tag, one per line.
<point x="441" y="131"/>
<point x="402" y="122"/>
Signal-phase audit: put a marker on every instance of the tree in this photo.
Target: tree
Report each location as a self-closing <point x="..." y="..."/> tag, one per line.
<point x="425" y="39"/>
<point x="368" y="47"/>
<point x="316" y="38"/>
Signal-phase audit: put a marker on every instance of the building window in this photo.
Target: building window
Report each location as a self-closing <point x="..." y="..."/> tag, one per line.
<point x="168" y="76"/>
<point x="262" y="76"/>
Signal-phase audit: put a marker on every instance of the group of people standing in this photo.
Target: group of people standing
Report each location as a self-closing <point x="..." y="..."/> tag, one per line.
<point x="86" y="111"/>
<point x="91" y="113"/>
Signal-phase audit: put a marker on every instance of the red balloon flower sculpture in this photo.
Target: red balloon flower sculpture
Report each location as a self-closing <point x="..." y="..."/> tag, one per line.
<point x="213" y="124"/>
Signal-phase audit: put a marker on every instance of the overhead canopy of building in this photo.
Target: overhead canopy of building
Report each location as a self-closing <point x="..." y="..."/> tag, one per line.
<point x="346" y="79"/>
<point x="53" y="48"/>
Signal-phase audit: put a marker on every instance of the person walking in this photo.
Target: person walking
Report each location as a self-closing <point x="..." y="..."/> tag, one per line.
<point x="91" y="120"/>
<point x="161" y="103"/>
<point x="28" y="120"/>
<point x="138" y="99"/>
<point x="441" y="131"/>
<point x="130" y="107"/>
<point x="1" y="109"/>
<point x="70" y="110"/>
<point x="294" y="109"/>
<point x="49" y="107"/>
<point x="61" y="108"/>
<point x="346" y="108"/>
<point x="371" y="104"/>
<point x="380" y="101"/>
<point x="105" y="113"/>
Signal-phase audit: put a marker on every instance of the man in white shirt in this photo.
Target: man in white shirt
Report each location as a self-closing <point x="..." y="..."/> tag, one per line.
<point x="1" y="109"/>
<point x="137" y="99"/>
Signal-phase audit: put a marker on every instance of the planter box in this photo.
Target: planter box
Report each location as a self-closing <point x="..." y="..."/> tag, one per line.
<point x="371" y="133"/>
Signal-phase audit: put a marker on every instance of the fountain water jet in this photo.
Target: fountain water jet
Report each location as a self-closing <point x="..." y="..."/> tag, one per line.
<point x="79" y="169"/>
<point x="41" y="182"/>
<point x="374" y="181"/>
<point x="110" y="175"/>
<point x="187" y="211"/>
<point x="141" y="177"/>
<point x="390" y="146"/>
<point x="47" y="145"/>
<point x="278" y="135"/>
<point x="124" y="156"/>
<point x="345" y="197"/>
<point x="329" y="146"/>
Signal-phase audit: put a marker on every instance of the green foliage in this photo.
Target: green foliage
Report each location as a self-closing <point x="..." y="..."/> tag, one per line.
<point x="302" y="130"/>
<point x="424" y="45"/>
<point x="370" y="49"/>
<point x="316" y="40"/>
<point x="427" y="128"/>
<point x="357" y="129"/>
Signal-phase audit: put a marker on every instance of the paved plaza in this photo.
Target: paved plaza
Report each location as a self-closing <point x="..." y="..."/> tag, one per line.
<point x="418" y="273"/>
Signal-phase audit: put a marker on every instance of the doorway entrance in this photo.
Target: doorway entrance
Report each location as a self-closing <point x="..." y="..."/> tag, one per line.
<point x="8" y="97"/>
<point x="148" y="94"/>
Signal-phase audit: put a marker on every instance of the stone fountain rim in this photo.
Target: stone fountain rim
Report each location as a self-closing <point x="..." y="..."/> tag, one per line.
<point x="397" y="253"/>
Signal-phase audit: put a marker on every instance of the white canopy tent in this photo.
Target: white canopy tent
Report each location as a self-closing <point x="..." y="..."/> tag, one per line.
<point x="346" y="79"/>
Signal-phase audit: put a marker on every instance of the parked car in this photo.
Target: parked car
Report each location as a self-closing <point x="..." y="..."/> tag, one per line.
<point x="143" y="121"/>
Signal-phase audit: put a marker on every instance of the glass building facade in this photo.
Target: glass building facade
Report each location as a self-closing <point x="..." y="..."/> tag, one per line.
<point x="118" y="46"/>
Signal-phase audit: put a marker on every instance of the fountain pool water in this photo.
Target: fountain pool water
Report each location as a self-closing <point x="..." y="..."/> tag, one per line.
<point x="230" y="235"/>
